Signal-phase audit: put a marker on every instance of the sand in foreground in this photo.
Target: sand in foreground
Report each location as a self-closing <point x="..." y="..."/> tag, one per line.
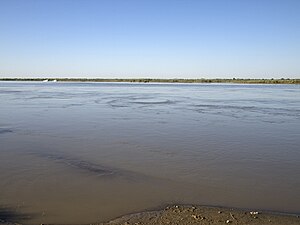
<point x="205" y="215"/>
<point x="182" y="215"/>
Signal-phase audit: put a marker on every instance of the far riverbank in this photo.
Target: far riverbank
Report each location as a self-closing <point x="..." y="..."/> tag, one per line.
<point x="150" y="80"/>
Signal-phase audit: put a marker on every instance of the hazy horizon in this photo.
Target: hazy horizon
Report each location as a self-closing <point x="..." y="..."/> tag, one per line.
<point x="149" y="39"/>
<point x="148" y="77"/>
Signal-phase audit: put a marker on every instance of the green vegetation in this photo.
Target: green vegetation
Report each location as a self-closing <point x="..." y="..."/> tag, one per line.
<point x="149" y="80"/>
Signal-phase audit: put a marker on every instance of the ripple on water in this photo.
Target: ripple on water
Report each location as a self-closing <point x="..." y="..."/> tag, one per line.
<point x="5" y="130"/>
<point x="150" y="102"/>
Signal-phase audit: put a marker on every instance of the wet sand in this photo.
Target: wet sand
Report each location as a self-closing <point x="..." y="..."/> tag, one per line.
<point x="205" y="215"/>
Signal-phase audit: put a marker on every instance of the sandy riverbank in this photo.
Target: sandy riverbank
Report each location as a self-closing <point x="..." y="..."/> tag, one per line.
<point x="182" y="215"/>
<point x="204" y="215"/>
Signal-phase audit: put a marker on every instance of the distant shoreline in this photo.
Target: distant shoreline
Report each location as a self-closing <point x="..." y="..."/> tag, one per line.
<point x="154" y="80"/>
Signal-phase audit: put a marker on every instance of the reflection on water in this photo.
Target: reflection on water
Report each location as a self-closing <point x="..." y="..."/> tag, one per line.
<point x="88" y="152"/>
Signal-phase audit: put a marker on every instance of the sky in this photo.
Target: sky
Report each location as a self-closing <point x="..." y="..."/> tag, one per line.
<point x="150" y="38"/>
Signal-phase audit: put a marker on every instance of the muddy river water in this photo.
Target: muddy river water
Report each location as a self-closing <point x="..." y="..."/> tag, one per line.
<point x="89" y="152"/>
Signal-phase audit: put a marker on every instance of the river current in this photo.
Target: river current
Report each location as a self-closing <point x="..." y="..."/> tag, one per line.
<point x="89" y="152"/>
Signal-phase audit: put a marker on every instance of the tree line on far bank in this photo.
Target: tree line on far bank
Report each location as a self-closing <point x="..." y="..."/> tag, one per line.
<point x="154" y="80"/>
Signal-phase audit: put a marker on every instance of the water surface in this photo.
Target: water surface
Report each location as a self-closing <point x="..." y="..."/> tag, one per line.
<point x="87" y="152"/>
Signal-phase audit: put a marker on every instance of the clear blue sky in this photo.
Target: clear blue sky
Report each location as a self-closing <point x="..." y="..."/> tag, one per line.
<point x="153" y="38"/>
